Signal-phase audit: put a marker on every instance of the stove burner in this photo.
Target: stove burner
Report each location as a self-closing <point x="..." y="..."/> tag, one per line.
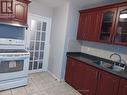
<point x="13" y="51"/>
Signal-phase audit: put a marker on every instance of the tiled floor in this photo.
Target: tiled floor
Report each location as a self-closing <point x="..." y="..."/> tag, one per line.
<point x="42" y="84"/>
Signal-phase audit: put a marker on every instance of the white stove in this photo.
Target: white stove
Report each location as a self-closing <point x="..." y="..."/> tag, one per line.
<point x="13" y="68"/>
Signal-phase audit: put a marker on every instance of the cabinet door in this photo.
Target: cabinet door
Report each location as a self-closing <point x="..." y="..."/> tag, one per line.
<point x="69" y="71"/>
<point x="81" y="76"/>
<point x="6" y="9"/>
<point x="73" y="73"/>
<point x="123" y="87"/>
<point x="108" y="84"/>
<point x="120" y="36"/>
<point x="20" y="12"/>
<point x="88" y="26"/>
<point x="107" y="24"/>
<point x="89" y="81"/>
<point x="77" y="74"/>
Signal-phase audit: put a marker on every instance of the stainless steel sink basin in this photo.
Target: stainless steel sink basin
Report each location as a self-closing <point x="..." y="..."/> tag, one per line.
<point x="103" y="64"/>
<point x="113" y="67"/>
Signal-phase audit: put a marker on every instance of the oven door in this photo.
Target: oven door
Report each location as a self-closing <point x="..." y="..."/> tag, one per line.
<point x="13" y="68"/>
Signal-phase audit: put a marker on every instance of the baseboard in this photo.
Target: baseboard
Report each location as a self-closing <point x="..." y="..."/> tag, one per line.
<point x="54" y="76"/>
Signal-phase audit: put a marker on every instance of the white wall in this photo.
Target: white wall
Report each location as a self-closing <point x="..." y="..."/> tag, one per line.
<point x="57" y="41"/>
<point x="41" y="9"/>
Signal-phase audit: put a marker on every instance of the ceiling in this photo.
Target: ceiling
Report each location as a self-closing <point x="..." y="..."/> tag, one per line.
<point x="93" y="3"/>
<point x="52" y="3"/>
<point x="55" y="3"/>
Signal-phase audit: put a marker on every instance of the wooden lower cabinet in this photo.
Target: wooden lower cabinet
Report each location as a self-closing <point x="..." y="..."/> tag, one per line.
<point x="81" y="76"/>
<point x="108" y="84"/>
<point x="89" y="80"/>
<point x="73" y="74"/>
<point x="69" y="71"/>
<point x="123" y="87"/>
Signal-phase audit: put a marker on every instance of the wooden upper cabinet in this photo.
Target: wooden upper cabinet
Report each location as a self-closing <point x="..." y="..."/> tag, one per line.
<point x="88" y="26"/>
<point x="120" y="35"/>
<point x="14" y="11"/>
<point x="123" y="87"/>
<point x="107" y="24"/>
<point x="20" y="12"/>
<point x="6" y="9"/>
<point x="108" y="84"/>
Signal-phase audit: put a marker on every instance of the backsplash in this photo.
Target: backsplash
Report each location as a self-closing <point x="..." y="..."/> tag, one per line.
<point x="103" y="50"/>
<point x="74" y="46"/>
<point x="13" y="32"/>
<point x="8" y="32"/>
<point x="97" y="49"/>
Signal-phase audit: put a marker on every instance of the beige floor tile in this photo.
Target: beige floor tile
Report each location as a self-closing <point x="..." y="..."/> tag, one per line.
<point x="31" y="87"/>
<point x="19" y="91"/>
<point x="42" y="84"/>
<point x="38" y="93"/>
<point x="7" y="92"/>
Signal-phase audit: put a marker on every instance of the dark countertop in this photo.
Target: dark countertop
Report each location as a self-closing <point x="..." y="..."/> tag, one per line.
<point x="90" y="59"/>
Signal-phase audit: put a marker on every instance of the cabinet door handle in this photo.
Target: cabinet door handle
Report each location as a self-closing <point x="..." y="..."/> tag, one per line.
<point x="99" y="75"/>
<point x="83" y="90"/>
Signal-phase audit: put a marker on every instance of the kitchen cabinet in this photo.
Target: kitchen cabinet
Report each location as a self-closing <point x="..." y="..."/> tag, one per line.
<point x="73" y="74"/>
<point x="123" y="87"/>
<point x="120" y="35"/>
<point x="69" y="71"/>
<point x="89" y="80"/>
<point x="6" y="9"/>
<point x="14" y="12"/>
<point x="105" y="24"/>
<point x="108" y="84"/>
<point x="81" y="76"/>
<point x="88" y="26"/>
<point x="20" y="12"/>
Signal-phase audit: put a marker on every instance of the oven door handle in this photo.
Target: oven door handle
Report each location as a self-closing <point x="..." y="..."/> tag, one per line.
<point x="11" y="58"/>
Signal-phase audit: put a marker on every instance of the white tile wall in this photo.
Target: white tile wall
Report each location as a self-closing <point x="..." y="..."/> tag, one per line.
<point x="98" y="49"/>
<point x="74" y="46"/>
<point x="103" y="50"/>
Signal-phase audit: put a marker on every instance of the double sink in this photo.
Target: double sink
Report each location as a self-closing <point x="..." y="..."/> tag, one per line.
<point x="115" y="66"/>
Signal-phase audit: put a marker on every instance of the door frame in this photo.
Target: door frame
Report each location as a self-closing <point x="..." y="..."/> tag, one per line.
<point x="47" y="40"/>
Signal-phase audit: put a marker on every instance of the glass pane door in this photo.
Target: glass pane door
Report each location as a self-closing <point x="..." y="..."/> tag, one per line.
<point x="121" y="32"/>
<point x="107" y="25"/>
<point x="38" y="29"/>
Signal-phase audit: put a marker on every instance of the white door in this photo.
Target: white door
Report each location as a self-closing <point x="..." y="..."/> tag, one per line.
<point x="38" y="36"/>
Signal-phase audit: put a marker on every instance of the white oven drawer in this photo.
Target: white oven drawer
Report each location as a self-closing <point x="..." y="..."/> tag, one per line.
<point x="13" y="83"/>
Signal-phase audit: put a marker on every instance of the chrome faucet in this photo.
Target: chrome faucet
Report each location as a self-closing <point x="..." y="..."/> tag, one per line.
<point x="120" y="59"/>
